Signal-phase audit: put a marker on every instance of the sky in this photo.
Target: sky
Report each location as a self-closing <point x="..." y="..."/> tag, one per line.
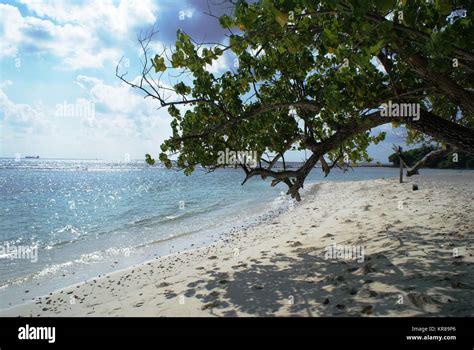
<point x="59" y="96"/>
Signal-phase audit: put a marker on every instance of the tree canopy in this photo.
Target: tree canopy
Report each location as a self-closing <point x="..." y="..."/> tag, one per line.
<point x="315" y="75"/>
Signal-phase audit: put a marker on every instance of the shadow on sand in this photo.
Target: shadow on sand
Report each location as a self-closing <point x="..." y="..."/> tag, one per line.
<point x="429" y="281"/>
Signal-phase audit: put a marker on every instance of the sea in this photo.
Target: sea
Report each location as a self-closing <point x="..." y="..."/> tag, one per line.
<point x="65" y="221"/>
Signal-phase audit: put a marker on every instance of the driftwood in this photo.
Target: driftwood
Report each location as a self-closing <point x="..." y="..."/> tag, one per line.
<point x="413" y="170"/>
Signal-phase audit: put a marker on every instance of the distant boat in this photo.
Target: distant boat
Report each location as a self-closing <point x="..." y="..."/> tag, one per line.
<point x="32" y="157"/>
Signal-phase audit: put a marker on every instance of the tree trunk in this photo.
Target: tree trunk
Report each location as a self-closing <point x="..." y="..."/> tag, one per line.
<point x="444" y="130"/>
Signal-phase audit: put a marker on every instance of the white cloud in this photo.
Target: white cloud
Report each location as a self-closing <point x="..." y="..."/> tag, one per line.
<point x="114" y="98"/>
<point x="5" y="83"/>
<point x="11" y="23"/>
<point x="218" y="66"/>
<point x="123" y="121"/>
<point x="118" y="18"/>
<point x="20" y="115"/>
<point x="121" y="110"/>
<point x="73" y="32"/>
<point x="75" y="35"/>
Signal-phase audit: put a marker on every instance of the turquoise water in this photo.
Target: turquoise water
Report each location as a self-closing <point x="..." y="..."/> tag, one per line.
<point x="87" y="218"/>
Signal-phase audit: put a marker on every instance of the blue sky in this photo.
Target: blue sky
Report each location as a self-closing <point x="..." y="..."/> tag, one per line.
<point x="56" y="53"/>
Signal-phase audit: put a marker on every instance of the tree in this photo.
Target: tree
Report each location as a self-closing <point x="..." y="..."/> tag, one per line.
<point x="315" y="76"/>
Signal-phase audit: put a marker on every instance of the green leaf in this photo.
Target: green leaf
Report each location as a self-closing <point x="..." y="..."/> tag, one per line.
<point x="149" y="159"/>
<point x="281" y="18"/>
<point x="225" y="21"/>
<point x="164" y="158"/>
<point x="182" y="89"/>
<point x="159" y="64"/>
<point x="237" y="44"/>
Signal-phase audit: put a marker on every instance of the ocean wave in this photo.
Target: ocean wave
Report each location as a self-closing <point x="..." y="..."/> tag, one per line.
<point x="168" y="217"/>
<point x="69" y="228"/>
<point x="65" y="235"/>
<point x="52" y="269"/>
<point x="64" y="267"/>
<point x="103" y="255"/>
<point x="167" y="238"/>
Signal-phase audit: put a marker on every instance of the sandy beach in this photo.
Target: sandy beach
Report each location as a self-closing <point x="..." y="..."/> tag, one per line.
<point x="412" y="255"/>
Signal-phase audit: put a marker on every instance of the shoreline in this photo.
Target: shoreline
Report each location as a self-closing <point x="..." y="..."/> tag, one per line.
<point x="273" y="209"/>
<point x="278" y="267"/>
<point x="208" y="238"/>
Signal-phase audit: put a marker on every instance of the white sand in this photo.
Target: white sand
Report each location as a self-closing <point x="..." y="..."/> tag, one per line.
<point x="279" y="268"/>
